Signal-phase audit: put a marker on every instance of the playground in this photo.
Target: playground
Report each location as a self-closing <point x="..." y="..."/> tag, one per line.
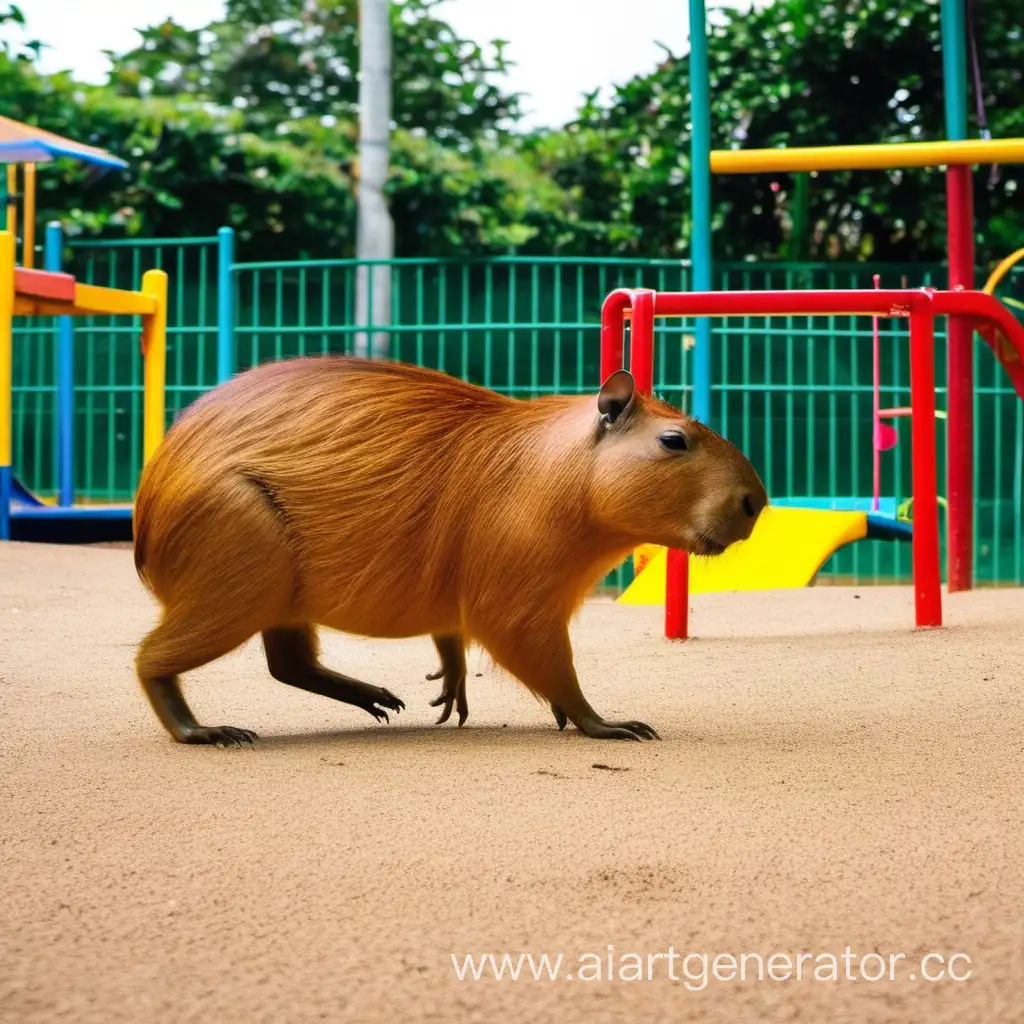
<point x="836" y="696"/>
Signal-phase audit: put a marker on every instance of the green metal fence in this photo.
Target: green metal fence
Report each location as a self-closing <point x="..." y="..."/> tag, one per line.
<point x="794" y="393"/>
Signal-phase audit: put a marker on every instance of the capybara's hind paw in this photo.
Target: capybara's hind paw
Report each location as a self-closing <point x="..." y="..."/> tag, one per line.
<point x="436" y="675"/>
<point x="561" y="718"/>
<point x="220" y="736"/>
<point x="380" y="701"/>
<point x="598" y="729"/>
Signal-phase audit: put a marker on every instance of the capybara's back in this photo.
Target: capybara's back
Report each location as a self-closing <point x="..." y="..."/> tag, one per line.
<point x="387" y="500"/>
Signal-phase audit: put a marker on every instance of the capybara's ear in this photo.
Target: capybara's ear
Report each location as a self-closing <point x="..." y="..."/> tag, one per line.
<point x="616" y="397"/>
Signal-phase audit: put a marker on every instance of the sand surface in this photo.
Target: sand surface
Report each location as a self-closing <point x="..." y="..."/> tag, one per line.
<point x="827" y="781"/>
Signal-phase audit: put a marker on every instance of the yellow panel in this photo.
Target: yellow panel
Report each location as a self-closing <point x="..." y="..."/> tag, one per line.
<point x="888" y="156"/>
<point x="788" y="546"/>
<point x="90" y="299"/>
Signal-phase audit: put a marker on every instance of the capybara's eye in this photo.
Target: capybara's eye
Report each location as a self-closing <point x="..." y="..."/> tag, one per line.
<point x="673" y="441"/>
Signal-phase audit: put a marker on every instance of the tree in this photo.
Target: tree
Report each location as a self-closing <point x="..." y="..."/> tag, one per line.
<point x="284" y="60"/>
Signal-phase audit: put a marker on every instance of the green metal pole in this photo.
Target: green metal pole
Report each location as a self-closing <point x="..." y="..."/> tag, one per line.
<point x="960" y="344"/>
<point x="954" y="68"/>
<point x="700" y="200"/>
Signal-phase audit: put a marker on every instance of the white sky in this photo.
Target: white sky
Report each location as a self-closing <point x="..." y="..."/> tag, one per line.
<point x="563" y="48"/>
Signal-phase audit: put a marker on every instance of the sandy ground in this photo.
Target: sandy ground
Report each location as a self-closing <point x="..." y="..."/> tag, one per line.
<point x="828" y="782"/>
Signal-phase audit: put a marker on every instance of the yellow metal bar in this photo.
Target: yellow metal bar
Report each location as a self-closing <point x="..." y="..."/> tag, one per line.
<point x="28" y="233"/>
<point x="92" y="299"/>
<point x="154" y="347"/>
<point x="7" y="257"/>
<point x="888" y="156"/>
<point x="12" y="203"/>
<point x="1002" y="270"/>
<point x="26" y="305"/>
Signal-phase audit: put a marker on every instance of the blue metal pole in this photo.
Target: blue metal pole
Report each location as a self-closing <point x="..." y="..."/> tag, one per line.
<point x="225" y="304"/>
<point x="53" y="259"/>
<point x="700" y="204"/>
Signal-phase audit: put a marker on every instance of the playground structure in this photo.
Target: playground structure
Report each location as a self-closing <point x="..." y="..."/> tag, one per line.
<point x="27" y="292"/>
<point x="967" y="310"/>
<point x="919" y="306"/>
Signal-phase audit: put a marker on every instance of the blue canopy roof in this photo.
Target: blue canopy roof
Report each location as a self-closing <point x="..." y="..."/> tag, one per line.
<point x="23" y="144"/>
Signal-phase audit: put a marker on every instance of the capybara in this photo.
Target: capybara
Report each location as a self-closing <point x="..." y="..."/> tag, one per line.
<point x="388" y="500"/>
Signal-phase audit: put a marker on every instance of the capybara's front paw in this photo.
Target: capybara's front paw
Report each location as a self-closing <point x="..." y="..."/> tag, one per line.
<point x="599" y="729"/>
<point x="380" y="701"/>
<point x="219" y="736"/>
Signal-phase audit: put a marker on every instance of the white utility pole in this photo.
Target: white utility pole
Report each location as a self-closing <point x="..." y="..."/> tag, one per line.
<point x="374" y="228"/>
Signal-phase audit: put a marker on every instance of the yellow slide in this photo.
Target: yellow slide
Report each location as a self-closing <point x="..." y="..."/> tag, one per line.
<point x="788" y="546"/>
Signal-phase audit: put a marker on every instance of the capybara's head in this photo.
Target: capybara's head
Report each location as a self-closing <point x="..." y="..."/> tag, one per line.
<point x="666" y="478"/>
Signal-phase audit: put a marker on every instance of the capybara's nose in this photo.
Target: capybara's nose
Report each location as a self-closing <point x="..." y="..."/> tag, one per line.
<point x="753" y="503"/>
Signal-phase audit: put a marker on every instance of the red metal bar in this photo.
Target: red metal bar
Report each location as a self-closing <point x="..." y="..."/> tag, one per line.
<point x="613" y="313"/>
<point x="960" y="383"/>
<point x="641" y="365"/>
<point x="879" y="302"/>
<point x="876" y="397"/>
<point x="927" y="576"/>
<point x="677" y="595"/>
<point x="44" y="284"/>
<point x="997" y="319"/>
<point x="641" y="341"/>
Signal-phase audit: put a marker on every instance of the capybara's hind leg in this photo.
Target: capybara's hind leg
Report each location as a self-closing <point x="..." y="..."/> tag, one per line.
<point x="292" y="658"/>
<point x="176" y="646"/>
<point x="451" y="649"/>
<point x="223" y="573"/>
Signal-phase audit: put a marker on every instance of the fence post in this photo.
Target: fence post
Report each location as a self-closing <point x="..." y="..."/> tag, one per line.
<point x="53" y="259"/>
<point x="225" y="304"/>
<point x="700" y="205"/>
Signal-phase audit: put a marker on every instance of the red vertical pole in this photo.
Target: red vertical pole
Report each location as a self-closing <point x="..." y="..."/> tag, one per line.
<point x="677" y="595"/>
<point x="641" y="365"/>
<point x="960" y="405"/>
<point x="612" y="326"/>
<point x="641" y="341"/>
<point x="927" y="577"/>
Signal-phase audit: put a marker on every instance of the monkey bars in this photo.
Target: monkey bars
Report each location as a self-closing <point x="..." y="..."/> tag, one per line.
<point x="920" y="306"/>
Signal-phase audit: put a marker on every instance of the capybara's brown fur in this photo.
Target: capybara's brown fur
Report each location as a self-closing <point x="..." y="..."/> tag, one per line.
<point x="388" y="500"/>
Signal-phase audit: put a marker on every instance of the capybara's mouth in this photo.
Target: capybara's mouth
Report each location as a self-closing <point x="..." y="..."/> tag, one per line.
<point x="707" y="546"/>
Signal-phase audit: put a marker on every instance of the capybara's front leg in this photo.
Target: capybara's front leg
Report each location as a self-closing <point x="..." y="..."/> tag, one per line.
<point x="540" y="655"/>
<point x="292" y="658"/>
<point x="451" y="649"/>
